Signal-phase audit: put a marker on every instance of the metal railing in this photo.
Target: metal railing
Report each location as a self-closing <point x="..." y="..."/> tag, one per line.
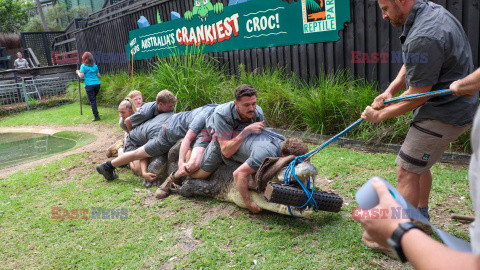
<point x="32" y="93"/>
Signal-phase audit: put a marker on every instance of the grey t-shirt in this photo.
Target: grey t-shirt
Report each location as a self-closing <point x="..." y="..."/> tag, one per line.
<point x="148" y="130"/>
<point x="20" y="63"/>
<point x="147" y="111"/>
<point x="436" y="51"/>
<point x="225" y="122"/>
<point x="195" y="120"/>
<point x="256" y="147"/>
<point x="474" y="178"/>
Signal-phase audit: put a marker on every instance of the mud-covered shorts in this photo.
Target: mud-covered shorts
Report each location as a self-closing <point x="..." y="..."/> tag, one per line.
<point x="425" y="143"/>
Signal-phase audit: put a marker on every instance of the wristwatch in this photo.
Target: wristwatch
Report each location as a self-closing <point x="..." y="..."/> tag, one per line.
<point x="394" y="240"/>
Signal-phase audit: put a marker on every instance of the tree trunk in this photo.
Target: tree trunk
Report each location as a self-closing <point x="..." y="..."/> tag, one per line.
<point x="40" y="11"/>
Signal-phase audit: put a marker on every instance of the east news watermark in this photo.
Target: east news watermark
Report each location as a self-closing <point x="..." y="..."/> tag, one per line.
<point x="395" y="57"/>
<point x="385" y="213"/>
<point x="98" y="213"/>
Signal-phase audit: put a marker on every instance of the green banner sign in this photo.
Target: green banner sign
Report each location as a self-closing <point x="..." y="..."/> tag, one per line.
<point x="254" y="24"/>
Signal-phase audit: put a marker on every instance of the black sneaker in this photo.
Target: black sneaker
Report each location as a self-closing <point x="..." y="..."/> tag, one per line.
<point x="107" y="172"/>
<point x="97" y="118"/>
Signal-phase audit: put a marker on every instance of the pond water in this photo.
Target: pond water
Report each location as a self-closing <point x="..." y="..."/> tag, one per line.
<point x="18" y="148"/>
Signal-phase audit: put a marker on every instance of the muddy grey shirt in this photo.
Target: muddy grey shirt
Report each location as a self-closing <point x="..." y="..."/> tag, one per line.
<point x="226" y="123"/>
<point x="436" y="52"/>
<point x="256" y="147"/>
<point x="148" y="130"/>
<point x="147" y="111"/>
<point x="195" y="120"/>
<point x="474" y="178"/>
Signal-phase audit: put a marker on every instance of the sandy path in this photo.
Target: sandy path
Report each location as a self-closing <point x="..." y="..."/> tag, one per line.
<point x="106" y="134"/>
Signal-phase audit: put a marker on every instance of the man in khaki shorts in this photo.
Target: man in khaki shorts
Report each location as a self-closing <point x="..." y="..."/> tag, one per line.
<point x="432" y="61"/>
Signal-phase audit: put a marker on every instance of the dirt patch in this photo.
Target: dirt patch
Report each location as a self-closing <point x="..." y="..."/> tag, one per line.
<point x="149" y="199"/>
<point x="223" y="210"/>
<point x="187" y="242"/>
<point x="105" y="134"/>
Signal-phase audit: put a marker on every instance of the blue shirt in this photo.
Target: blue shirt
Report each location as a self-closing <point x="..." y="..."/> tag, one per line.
<point x="90" y="74"/>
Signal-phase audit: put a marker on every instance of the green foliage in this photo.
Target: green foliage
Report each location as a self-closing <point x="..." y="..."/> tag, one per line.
<point x="13" y="15"/>
<point x="194" y="79"/>
<point x="56" y="17"/>
<point x="277" y="94"/>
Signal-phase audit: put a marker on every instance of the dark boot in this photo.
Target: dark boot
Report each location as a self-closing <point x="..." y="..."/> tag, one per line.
<point x="107" y="172"/>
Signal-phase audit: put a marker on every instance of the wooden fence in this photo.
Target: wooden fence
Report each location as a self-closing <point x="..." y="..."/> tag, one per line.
<point x="366" y="33"/>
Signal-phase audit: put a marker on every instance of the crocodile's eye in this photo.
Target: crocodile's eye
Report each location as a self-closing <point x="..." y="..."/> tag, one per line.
<point x="205" y="2"/>
<point x="197" y="3"/>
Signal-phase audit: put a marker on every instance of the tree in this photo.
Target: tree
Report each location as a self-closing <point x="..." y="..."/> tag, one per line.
<point x="55" y="15"/>
<point x="13" y="15"/>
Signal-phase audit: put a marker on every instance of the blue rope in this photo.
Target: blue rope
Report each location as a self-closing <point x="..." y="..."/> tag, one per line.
<point x="442" y="92"/>
<point x="290" y="171"/>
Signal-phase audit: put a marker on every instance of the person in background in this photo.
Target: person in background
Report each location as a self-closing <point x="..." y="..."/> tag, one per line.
<point x="20" y="62"/>
<point x="137" y="98"/>
<point x="90" y="73"/>
<point x="412" y="244"/>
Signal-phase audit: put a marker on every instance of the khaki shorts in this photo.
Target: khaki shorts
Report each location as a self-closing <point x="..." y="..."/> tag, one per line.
<point x="425" y="143"/>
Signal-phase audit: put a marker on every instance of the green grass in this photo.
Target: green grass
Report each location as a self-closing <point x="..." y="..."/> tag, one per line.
<point x="63" y="115"/>
<point x="193" y="233"/>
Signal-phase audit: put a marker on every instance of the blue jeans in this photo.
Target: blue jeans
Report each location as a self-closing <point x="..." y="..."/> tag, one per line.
<point x="92" y="91"/>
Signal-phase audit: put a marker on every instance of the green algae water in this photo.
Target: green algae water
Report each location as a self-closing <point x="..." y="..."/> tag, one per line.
<point x="23" y="147"/>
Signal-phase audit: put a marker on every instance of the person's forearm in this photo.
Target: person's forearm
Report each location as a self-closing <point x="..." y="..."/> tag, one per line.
<point x="471" y="82"/>
<point x="187" y="141"/>
<point x="425" y="253"/>
<point x="230" y="147"/>
<point x="399" y="83"/>
<point x="241" y="182"/>
<point x="128" y="124"/>
<point x="143" y="166"/>
<point x="401" y="108"/>
<point x="398" y="109"/>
